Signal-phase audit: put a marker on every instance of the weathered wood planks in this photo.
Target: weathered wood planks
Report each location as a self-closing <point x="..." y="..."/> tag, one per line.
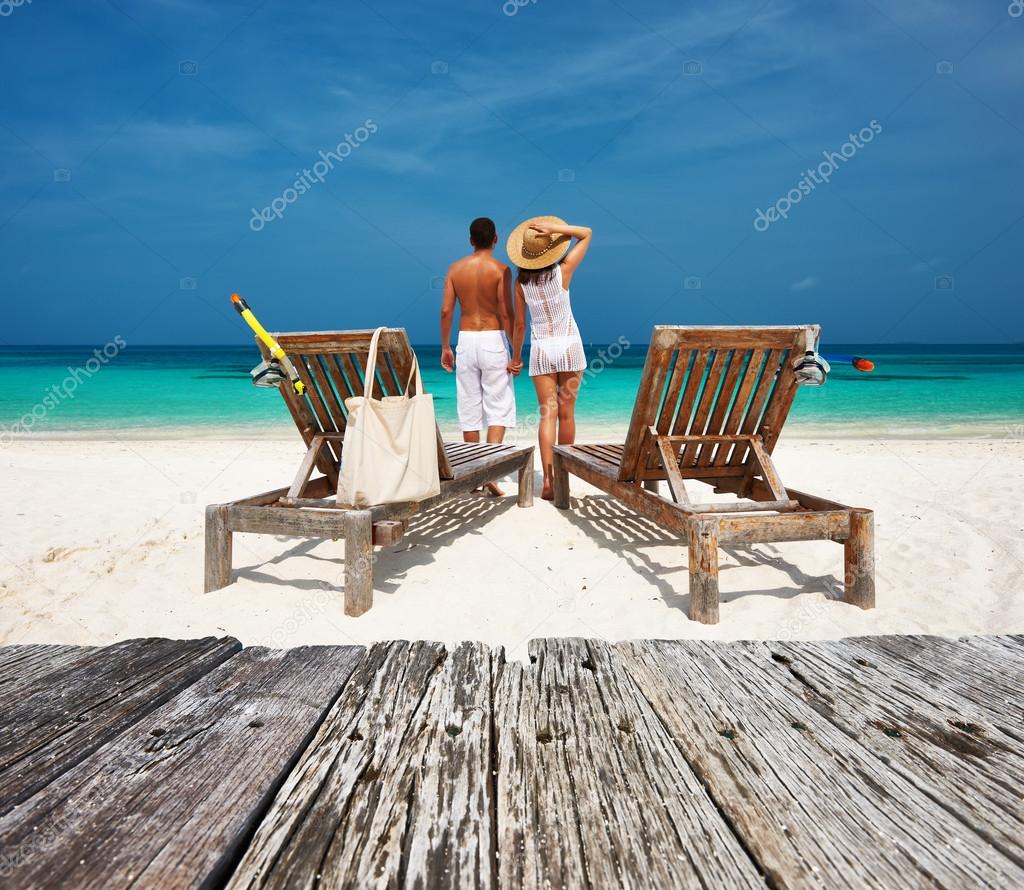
<point x="814" y="806"/>
<point x="395" y="790"/>
<point x="55" y="716"/>
<point x="871" y="762"/>
<point x="170" y="802"/>
<point x="592" y="790"/>
<point x="23" y="667"/>
<point x="955" y="753"/>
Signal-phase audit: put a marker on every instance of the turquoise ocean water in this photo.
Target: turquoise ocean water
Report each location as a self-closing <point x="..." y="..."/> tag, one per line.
<point x="160" y="391"/>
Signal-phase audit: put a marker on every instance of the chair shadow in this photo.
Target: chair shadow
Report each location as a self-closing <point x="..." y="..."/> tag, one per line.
<point x="424" y="533"/>
<point x="615" y="527"/>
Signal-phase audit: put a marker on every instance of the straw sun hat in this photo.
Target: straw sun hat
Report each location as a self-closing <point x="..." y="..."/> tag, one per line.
<point x="532" y="250"/>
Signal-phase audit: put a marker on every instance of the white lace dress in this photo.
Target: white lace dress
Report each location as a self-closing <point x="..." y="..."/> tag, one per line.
<point x="555" y="342"/>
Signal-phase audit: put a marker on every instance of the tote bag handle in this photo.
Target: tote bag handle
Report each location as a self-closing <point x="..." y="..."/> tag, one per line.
<point x="371" y="368"/>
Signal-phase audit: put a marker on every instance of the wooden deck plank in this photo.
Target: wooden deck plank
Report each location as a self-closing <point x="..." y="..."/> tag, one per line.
<point x="939" y="741"/>
<point x="83" y="702"/>
<point x="22" y="667"/>
<point x="813" y="805"/>
<point x="592" y="792"/>
<point x="395" y="789"/>
<point x="968" y="668"/>
<point x="169" y="802"/>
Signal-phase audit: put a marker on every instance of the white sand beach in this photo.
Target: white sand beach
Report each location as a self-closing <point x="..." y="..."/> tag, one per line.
<point x="103" y="540"/>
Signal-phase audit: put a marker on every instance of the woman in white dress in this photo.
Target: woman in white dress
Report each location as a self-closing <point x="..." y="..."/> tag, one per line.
<point x="543" y="250"/>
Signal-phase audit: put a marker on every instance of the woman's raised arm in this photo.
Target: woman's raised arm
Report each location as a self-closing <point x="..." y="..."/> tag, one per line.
<point x="574" y="257"/>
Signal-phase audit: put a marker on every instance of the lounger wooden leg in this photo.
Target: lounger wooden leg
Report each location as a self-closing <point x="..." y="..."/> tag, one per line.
<point x="560" y="482"/>
<point x="218" y="548"/>
<point x="358" y="562"/>
<point x="704" y="571"/>
<point x="526" y="483"/>
<point x="859" y="575"/>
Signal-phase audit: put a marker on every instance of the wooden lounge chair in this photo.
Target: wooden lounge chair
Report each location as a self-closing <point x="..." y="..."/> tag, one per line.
<point x="332" y="365"/>
<point x="711" y="405"/>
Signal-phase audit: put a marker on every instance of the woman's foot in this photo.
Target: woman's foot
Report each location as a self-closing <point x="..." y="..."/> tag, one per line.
<point x="547" y="493"/>
<point x="491" y="489"/>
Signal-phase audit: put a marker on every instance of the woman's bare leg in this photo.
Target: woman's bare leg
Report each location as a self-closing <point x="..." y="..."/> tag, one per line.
<point x="547" y="400"/>
<point x="568" y="389"/>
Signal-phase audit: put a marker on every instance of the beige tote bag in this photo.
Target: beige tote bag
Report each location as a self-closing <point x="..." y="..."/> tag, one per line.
<point x="390" y="450"/>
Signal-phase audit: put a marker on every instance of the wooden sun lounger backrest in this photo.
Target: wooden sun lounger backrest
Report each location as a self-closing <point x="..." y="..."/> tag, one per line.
<point x="713" y="381"/>
<point x="332" y="365"/>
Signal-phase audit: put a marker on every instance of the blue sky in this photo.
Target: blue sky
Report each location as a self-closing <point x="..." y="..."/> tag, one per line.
<point x="137" y="138"/>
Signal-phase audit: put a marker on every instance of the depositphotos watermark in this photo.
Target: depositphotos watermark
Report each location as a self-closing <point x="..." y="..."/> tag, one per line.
<point x="815" y="176"/>
<point x="40" y="841"/>
<point x="512" y="7"/>
<point x="305" y="180"/>
<point x="7" y="7"/>
<point x="64" y="391"/>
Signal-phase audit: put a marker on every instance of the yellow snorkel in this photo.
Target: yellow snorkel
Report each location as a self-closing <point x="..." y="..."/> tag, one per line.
<point x="268" y="373"/>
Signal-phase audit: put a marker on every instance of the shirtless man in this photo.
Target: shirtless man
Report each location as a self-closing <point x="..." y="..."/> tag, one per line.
<point x="482" y="286"/>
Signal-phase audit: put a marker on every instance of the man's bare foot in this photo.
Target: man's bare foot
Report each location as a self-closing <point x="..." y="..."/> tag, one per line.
<point x="492" y="489"/>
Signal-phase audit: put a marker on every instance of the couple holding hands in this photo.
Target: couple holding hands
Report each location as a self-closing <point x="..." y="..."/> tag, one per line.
<point x="492" y="328"/>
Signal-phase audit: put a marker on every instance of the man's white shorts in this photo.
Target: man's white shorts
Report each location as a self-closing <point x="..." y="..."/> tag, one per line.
<point x="486" y="394"/>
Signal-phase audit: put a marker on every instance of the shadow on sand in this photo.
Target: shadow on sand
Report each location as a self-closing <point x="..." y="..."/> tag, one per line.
<point x="615" y="527"/>
<point x="424" y="534"/>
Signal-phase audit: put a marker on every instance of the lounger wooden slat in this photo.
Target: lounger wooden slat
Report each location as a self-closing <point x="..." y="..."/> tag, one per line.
<point x="680" y="369"/>
<point x="757" y="403"/>
<point x="695" y="379"/>
<point x="332" y="365"/>
<point x="708" y="397"/>
<point x="325" y="421"/>
<point x="778" y="408"/>
<point x="357" y="367"/>
<point x="647" y="402"/>
<point x="607" y="452"/>
<point x="739" y="406"/>
<point x="457" y="448"/>
<point x="475" y="454"/>
<point x="734" y="388"/>
<point x="339" y="418"/>
<point x="737" y="363"/>
<point x="341" y="385"/>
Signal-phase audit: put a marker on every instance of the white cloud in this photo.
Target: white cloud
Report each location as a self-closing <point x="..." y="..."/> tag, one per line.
<point x="806" y="283"/>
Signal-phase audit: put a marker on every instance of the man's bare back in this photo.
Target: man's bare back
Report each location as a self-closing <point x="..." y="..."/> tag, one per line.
<point x="481" y="286"/>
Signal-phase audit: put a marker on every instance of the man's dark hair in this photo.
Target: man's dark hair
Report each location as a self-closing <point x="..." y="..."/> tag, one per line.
<point x="481" y="232"/>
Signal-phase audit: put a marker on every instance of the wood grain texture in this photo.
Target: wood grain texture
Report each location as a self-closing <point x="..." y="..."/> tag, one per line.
<point x="170" y="801"/>
<point x="25" y="666"/>
<point x="813" y="805"/>
<point x="869" y="762"/>
<point x="395" y="789"/>
<point x="591" y="789"/>
<point x="984" y="672"/>
<point x="55" y="718"/>
<point x="954" y="752"/>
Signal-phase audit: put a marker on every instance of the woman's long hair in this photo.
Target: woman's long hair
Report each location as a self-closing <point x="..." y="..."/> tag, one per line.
<point x="536" y="276"/>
